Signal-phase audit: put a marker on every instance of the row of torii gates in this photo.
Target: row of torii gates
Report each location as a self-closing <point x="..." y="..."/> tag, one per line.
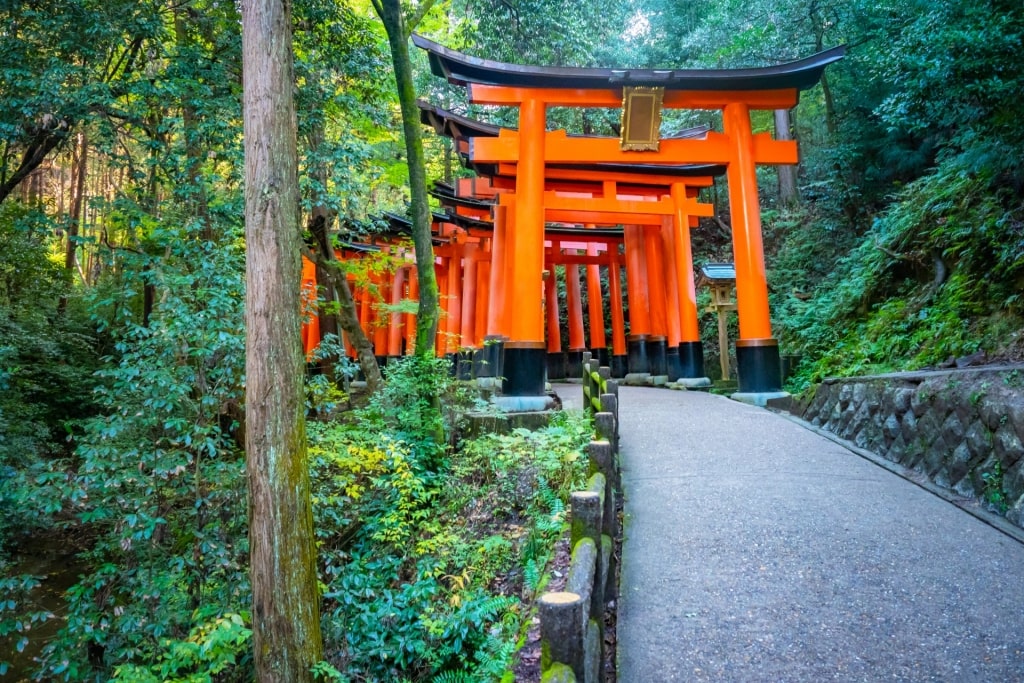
<point x="542" y="199"/>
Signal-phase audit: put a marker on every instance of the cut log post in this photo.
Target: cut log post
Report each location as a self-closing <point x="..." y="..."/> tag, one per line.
<point x="610" y="404"/>
<point x="607" y="578"/>
<point x="593" y="652"/>
<point x="558" y="673"/>
<point x="587" y="508"/>
<point x="602" y="459"/>
<point x="582" y="572"/>
<point x="605" y="424"/>
<point x="563" y="620"/>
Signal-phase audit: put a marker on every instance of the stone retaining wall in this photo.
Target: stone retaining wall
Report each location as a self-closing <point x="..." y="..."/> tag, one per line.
<point x="962" y="429"/>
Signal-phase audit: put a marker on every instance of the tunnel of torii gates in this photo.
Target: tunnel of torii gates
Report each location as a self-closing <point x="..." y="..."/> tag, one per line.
<point x="507" y="229"/>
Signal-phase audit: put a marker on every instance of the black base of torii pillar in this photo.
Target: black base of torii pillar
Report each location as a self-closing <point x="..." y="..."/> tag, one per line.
<point x="525" y="364"/>
<point x="691" y="360"/>
<point x="758" y="366"/>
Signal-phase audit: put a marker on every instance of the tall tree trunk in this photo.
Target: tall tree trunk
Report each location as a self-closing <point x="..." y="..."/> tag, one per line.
<point x="818" y="25"/>
<point x="319" y="226"/>
<point x="77" y="206"/>
<point x="195" y="186"/>
<point x="285" y="609"/>
<point x="787" y="173"/>
<point x="330" y="270"/>
<point x="333" y="280"/>
<point x="390" y="12"/>
<point x="78" y="172"/>
<point x="830" y="106"/>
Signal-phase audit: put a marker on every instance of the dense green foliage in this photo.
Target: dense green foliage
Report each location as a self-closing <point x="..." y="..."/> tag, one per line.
<point x="428" y="566"/>
<point x="121" y="369"/>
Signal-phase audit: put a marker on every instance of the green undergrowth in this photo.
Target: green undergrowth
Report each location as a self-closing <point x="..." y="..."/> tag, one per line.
<point x="939" y="275"/>
<point x="428" y="575"/>
<point x="429" y="554"/>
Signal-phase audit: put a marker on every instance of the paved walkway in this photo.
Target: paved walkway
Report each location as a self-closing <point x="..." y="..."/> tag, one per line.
<point x="755" y="550"/>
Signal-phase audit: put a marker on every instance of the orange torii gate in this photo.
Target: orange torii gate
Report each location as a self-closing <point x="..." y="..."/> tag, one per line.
<point x="657" y="213"/>
<point x="734" y="92"/>
<point x="682" y="356"/>
<point x="652" y="211"/>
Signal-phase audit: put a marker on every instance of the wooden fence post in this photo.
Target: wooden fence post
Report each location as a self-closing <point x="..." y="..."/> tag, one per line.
<point x="563" y="620"/>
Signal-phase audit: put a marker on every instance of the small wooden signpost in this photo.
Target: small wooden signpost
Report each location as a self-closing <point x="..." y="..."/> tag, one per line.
<point x="721" y="278"/>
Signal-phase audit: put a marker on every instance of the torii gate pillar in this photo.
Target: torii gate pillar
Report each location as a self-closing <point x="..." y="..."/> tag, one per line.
<point x="525" y="352"/>
<point x="757" y="352"/>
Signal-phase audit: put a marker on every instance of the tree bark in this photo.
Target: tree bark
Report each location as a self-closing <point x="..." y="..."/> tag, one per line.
<point x="787" y="174"/>
<point x="285" y="610"/>
<point x="46" y="139"/>
<point x="390" y="12"/>
<point x="77" y="202"/>
<point x="78" y="171"/>
<point x="329" y="269"/>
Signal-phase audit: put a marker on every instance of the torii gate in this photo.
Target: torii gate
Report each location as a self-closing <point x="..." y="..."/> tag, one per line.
<point x="591" y="194"/>
<point x="733" y="91"/>
<point x="665" y="202"/>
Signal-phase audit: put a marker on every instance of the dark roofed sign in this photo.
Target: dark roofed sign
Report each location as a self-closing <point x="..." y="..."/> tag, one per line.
<point x="718" y="272"/>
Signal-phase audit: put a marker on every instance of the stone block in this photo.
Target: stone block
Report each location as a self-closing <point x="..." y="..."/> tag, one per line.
<point x="876" y="442"/>
<point x="928" y="428"/>
<point x="834" y="416"/>
<point x="858" y="422"/>
<point x="978" y="439"/>
<point x="901" y="400"/>
<point x="1013" y="481"/>
<point x="965" y="409"/>
<point x="920" y="401"/>
<point x="1016" y="513"/>
<point x="934" y="458"/>
<point x="957" y="466"/>
<point x="916" y="449"/>
<point x="845" y="393"/>
<point x="908" y="427"/>
<point x="992" y="412"/>
<point x="897" y="449"/>
<point x="532" y="420"/>
<point x="942" y="396"/>
<point x="965" y="487"/>
<point x="858" y="394"/>
<point x="817" y="405"/>
<point x="479" y="424"/>
<point x="977" y="474"/>
<point x="891" y="428"/>
<point x="952" y="429"/>
<point x="873" y="397"/>
<point x="1007" y="446"/>
<point x="1015" y="412"/>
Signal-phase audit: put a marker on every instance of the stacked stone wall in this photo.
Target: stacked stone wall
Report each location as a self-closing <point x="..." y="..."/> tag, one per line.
<point x="962" y="429"/>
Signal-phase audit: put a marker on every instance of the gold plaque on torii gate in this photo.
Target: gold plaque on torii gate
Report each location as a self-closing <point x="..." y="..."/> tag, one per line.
<point x="641" y="119"/>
